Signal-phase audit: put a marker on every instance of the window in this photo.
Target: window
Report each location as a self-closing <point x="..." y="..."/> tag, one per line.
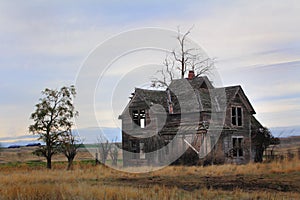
<point x="139" y="117"/>
<point x="142" y="151"/>
<point x="237" y="143"/>
<point x="236" y="116"/>
<point x="134" y="144"/>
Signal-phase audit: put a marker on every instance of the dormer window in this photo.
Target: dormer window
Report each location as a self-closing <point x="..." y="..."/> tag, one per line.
<point x="139" y="117"/>
<point x="236" y="116"/>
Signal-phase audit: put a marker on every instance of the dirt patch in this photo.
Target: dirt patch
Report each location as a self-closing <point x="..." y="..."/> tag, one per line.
<point x="278" y="183"/>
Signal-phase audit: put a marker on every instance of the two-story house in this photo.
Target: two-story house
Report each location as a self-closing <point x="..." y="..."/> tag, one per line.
<point x="190" y="119"/>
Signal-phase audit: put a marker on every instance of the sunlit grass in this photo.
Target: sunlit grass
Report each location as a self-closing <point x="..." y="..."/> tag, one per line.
<point x="86" y="181"/>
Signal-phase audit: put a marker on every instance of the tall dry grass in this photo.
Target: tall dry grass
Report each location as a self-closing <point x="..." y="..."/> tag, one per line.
<point x="97" y="182"/>
<point x="284" y="166"/>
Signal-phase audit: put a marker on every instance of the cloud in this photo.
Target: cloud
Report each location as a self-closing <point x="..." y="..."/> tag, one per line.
<point x="256" y="44"/>
<point x="242" y="28"/>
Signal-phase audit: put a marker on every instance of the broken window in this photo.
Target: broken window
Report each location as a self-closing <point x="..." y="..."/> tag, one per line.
<point x="236" y="116"/>
<point x="237" y="143"/>
<point x="139" y="117"/>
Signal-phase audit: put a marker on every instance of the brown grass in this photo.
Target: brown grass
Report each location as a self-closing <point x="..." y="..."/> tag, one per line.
<point x="25" y="154"/>
<point x="277" y="180"/>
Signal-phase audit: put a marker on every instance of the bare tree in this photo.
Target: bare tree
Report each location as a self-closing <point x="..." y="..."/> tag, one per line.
<point x="69" y="146"/>
<point x="179" y="61"/>
<point x="104" y="147"/>
<point x="114" y="152"/>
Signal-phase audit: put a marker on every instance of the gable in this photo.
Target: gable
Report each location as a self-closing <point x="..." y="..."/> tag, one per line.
<point x="201" y="82"/>
<point x="236" y="94"/>
<point x="142" y="98"/>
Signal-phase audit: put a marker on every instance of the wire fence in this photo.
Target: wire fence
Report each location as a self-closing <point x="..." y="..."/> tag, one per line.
<point x="276" y="154"/>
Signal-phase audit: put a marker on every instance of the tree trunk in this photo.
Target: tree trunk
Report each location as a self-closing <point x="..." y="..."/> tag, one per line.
<point x="259" y="155"/>
<point x="49" y="150"/>
<point x="49" y="162"/>
<point x="70" y="163"/>
<point x="182" y="70"/>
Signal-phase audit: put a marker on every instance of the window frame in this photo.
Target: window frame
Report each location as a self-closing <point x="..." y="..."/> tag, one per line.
<point x="239" y="147"/>
<point x="134" y="148"/>
<point x="139" y="117"/>
<point x="237" y="117"/>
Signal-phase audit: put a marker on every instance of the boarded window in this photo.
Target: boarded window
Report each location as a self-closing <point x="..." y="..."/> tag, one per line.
<point x="236" y="116"/>
<point x="237" y="143"/>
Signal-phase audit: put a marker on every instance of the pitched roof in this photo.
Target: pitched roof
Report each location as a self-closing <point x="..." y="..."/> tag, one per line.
<point x="233" y="91"/>
<point x="200" y="82"/>
<point x="188" y="96"/>
<point x="255" y="124"/>
<point x="184" y="96"/>
<point x="147" y="98"/>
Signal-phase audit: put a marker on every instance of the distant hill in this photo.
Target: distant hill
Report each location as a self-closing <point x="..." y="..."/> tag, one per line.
<point x="88" y="136"/>
<point x="91" y="135"/>
<point x="22" y="140"/>
<point x="285" y="131"/>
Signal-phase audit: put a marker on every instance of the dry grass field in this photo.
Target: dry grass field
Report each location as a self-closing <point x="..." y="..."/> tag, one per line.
<point x="24" y="154"/>
<point x="24" y="176"/>
<point x="277" y="180"/>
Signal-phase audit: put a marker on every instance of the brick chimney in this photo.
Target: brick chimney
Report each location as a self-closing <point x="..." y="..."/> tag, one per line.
<point x="191" y="75"/>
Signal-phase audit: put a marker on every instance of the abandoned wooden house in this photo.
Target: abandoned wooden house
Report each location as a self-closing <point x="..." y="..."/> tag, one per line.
<point x="161" y="126"/>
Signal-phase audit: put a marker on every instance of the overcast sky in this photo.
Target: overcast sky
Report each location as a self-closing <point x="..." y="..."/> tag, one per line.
<point x="44" y="43"/>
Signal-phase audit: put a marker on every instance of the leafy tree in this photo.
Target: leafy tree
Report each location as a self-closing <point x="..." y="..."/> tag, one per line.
<point x="181" y="60"/>
<point x="52" y="117"/>
<point x="69" y="147"/>
<point x="261" y="140"/>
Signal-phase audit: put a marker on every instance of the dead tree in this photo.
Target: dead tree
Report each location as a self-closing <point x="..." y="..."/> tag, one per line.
<point x="114" y="153"/>
<point x="182" y="60"/>
<point x="104" y="147"/>
<point x="69" y="147"/>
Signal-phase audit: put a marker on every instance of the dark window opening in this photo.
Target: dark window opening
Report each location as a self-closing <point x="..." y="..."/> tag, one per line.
<point x="236" y="116"/>
<point x="233" y="116"/>
<point x="135" y="149"/>
<point x="237" y="143"/>
<point x="139" y="117"/>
